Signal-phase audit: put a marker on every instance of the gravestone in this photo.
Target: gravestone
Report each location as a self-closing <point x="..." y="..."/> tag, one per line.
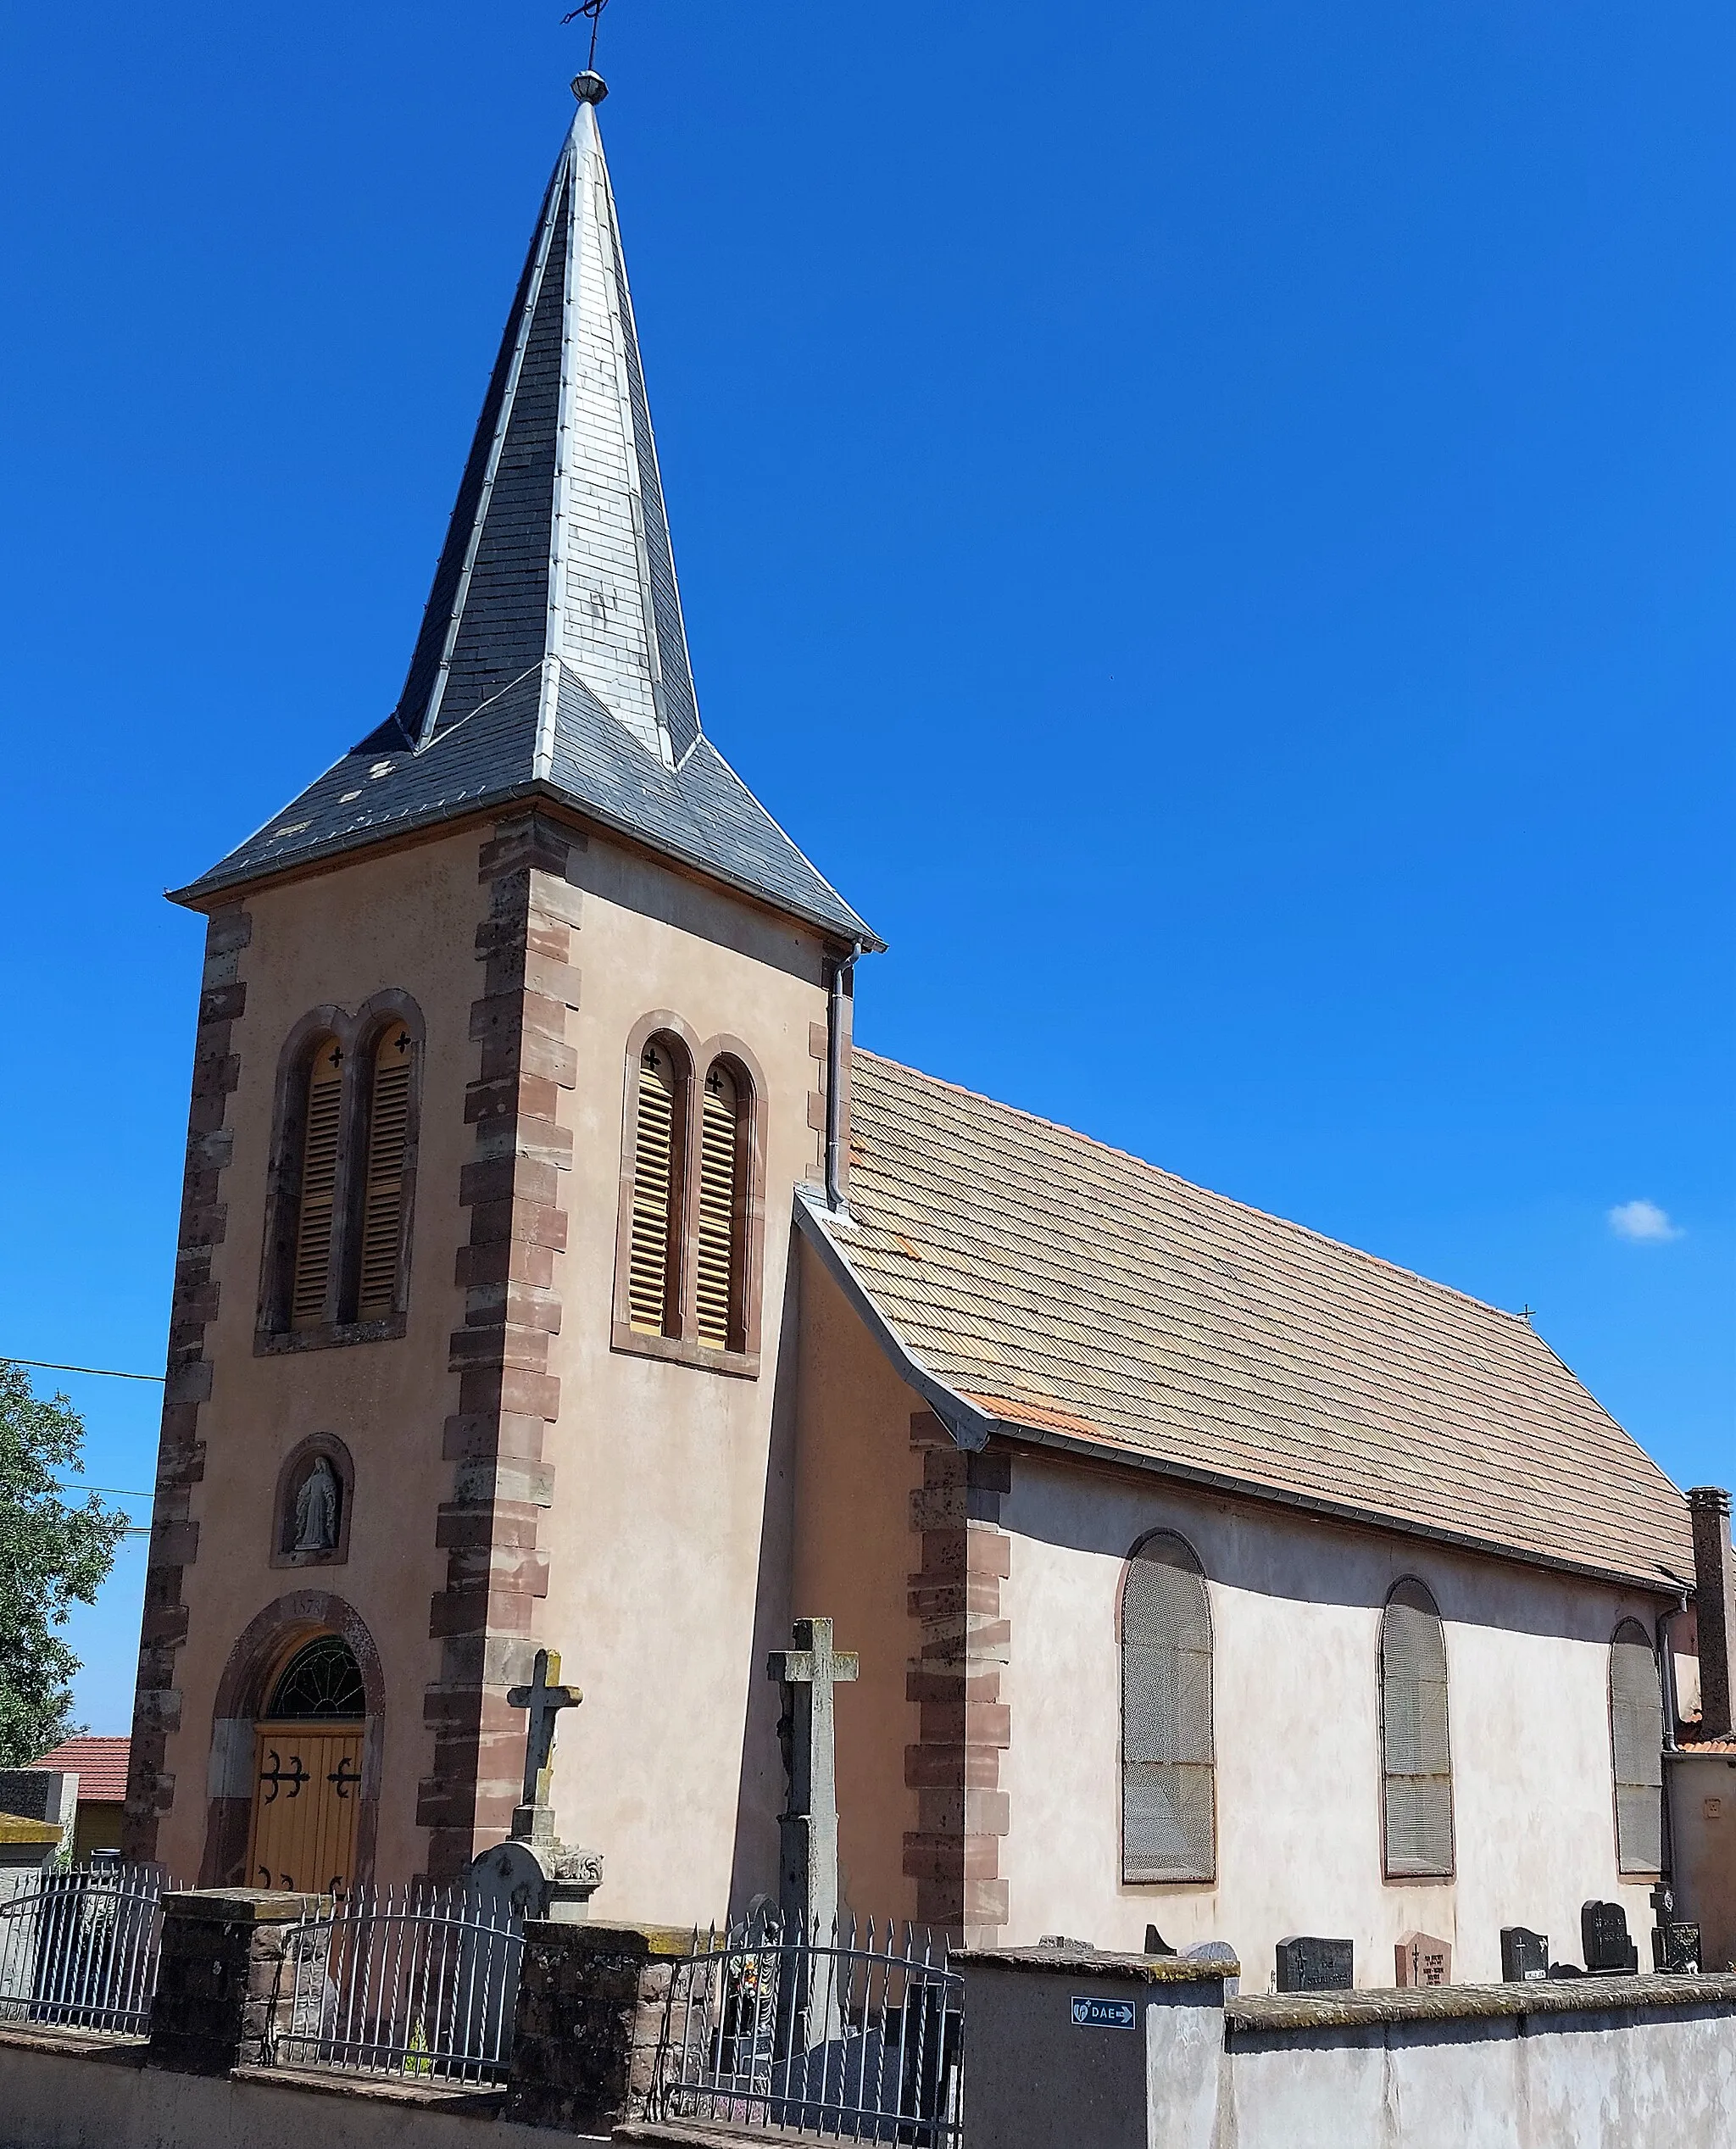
<point x="533" y="1874"/>
<point x="808" y="1827"/>
<point x="1307" y="1963"/>
<point x="1603" y="1931"/>
<point x="1421" y="1959"/>
<point x="1525" y="1955"/>
<point x="1675" y="1948"/>
<point x="1217" y="1952"/>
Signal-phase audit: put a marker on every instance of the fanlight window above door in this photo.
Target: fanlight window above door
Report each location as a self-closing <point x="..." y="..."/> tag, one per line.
<point x="321" y="1680"/>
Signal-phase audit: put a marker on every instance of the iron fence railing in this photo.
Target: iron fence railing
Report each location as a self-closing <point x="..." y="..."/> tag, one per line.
<point x="78" y="1947"/>
<point x="860" y="2038"/>
<point x="417" y="1982"/>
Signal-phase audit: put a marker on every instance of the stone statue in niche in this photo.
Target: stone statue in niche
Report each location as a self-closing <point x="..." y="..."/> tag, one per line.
<point x="316" y="1510"/>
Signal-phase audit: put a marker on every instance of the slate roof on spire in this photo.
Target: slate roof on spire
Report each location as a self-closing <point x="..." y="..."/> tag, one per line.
<point x="553" y="658"/>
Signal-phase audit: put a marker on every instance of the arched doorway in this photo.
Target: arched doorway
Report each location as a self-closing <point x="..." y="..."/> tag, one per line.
<point x="307" y="1771"/>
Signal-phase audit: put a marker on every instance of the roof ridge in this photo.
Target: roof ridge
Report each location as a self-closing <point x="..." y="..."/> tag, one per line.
<point x="1212" y="1194"/>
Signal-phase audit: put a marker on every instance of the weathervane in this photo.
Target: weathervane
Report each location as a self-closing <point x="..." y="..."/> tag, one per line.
<point x="592" y="10"/>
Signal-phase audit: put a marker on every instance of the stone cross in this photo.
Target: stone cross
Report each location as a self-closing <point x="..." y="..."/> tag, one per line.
<point x="808" y="1827"/>
<point x="544" y="1698"/>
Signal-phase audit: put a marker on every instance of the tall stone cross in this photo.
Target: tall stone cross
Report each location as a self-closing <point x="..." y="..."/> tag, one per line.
<point x="808" y="1827"/>
<point x="544" y="1698"/>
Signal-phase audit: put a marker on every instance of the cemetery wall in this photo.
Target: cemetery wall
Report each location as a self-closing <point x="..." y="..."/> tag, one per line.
<point x="1296" y="1605"/>
<point x="1065" y="2046"/>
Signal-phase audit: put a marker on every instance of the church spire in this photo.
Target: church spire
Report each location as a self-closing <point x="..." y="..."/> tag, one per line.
<point x="552" y="659"/>
<point x="558" y="546"/>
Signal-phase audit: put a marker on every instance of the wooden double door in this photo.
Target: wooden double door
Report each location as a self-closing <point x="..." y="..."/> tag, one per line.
<point x="307" y="1800"/>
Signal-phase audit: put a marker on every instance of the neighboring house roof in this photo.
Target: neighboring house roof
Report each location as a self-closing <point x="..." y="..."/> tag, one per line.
<point x="100" y="1764"/>
<point x="1066" y="1291"/>
<point x="552" y="660"/>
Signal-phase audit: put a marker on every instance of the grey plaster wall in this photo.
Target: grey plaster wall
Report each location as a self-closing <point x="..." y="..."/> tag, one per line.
<point x="1590" y="2081"/>
<point x="71" y="2098"/>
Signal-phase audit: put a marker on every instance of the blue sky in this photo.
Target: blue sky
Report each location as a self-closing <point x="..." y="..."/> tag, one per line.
<point x="1213" y="526"/>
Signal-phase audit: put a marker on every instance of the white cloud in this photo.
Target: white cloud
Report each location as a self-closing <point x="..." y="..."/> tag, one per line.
<point x="1641" y="1220"/>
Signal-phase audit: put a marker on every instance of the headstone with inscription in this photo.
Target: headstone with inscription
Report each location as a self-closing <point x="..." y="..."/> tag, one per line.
<point x="1603" y="1931"/>
<point x="1525" y="1955"/>
<point x="1675" y="1948"/>
<point x="1419" y="1958"/>
<point x="1307" y="1963"/>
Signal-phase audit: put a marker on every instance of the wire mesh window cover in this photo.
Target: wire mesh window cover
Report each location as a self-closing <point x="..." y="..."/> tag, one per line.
<point x="1416" y="1760"/>
<point x="1168" y="1793"/>
<point x="383" y="1192"/>
<point x="653" y="1285"/>
<point x="719" y="1292"/>
<point x="322" y="1679"/>
<point x="1637" y="1736"/>
<point x="316" y="1209"/>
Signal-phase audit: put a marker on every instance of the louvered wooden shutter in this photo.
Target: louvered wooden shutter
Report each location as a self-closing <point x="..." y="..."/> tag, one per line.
<point x="1637" y="1731"/>
<point x="718" y="1224"/>
<point x="1168" y="1830"/>
<point x="650" y="1275"/>
<point x="319" y="1186"/>
<point x="383" y="1196"/>
<point x="1418" y="1767"/>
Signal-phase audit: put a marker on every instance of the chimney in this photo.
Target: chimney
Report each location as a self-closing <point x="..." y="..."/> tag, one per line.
<point x="1709" y="1509"/>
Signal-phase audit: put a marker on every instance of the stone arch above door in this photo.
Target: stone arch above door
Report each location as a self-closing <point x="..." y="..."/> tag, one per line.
<point x="260" y="1652"/>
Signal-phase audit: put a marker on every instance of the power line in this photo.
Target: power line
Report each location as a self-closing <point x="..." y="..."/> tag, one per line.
<point x="102" y="1372"/>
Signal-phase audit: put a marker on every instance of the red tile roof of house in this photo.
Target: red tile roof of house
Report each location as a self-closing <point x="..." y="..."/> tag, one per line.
<point x="100" y="1764"/>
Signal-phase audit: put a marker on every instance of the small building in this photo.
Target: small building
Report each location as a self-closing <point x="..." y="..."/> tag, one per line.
<point x="98" y="1769"/>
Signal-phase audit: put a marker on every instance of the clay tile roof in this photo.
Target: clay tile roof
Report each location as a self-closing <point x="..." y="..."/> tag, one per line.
<point x="100" y="1764"/>
<point x="1082" y="1295"/>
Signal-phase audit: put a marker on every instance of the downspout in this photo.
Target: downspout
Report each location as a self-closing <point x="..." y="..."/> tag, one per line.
<point x="841" y="969"/>
<point x="1667" y="1682"/>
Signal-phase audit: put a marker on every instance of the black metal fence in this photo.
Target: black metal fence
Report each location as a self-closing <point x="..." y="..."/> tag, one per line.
<point x="419" y="1982"/>
<point x="860" y="2037"/>
<point x="78" y="1947"/>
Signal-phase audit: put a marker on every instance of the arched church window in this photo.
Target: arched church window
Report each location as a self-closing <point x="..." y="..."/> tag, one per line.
<point x="383" y="1204"/>
<point x="1168" y="1769"/>
<point x="321" y="1680"/>
<point x="721" y="1235"/>
<point x="1637" y="1742"/>
<point x="321" y="1115"/>
<point x="654" y="1270"/>
<point x="1417" y="1763"/>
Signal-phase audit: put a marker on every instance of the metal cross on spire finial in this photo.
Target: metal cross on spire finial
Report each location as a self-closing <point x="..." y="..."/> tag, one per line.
<point x="591" y="11"/>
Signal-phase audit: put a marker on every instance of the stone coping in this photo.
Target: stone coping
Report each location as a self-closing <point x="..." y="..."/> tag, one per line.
<point x="75" y="2044"/>
<point x="1272" y="2014"/>
<point x="478" y="2100"/>
<point x="1091" y="1963"/>
<point x="243" y="1906"/>
<point x="587" y="1936"/>
<point x="700" y="2134"/>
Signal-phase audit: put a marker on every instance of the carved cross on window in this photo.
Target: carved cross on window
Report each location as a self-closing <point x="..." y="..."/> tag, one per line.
<point x="713" y="1082"/>
<point x="649" y="1058"/>
<point x="401" y="1042"/>
<point x="336" y="1057"/>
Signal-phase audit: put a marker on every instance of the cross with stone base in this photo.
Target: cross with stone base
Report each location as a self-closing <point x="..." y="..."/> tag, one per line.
<point x="545" y="1697"/>
<point x="807" y="1830"/>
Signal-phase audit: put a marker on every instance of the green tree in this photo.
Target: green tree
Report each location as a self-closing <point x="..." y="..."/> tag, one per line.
<point x="51" y="1555"/>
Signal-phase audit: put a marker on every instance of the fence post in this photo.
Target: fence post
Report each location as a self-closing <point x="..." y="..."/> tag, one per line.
<point x="590" y="2011"/>
<point x="217" y="1976"/>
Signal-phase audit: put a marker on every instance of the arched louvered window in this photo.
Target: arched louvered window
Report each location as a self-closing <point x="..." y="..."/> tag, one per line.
<point x="1637" y="1739"/>
<point x="1168" y="1792"/>
<point x="382" y="1190"/>
<point x="316" y="1207"/>
<point x="653" y="1273"/>
<point x="1416" y="1758"/>
<point x="721" y="1234"/>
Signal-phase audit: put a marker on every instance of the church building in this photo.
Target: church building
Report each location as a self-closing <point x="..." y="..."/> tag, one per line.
<point x="555" y="1271"/>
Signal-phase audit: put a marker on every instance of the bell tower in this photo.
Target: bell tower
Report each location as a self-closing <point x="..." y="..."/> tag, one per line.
<point x="514" y="1048"/>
